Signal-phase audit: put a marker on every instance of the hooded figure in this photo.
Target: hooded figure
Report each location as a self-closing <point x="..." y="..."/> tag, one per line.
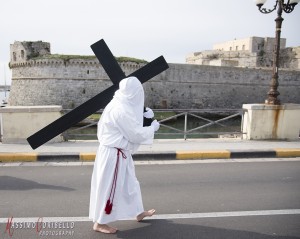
<point x="115" y="191"/>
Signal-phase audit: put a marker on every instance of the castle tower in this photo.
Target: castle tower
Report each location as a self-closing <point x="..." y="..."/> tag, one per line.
<point x="23" y="51"/>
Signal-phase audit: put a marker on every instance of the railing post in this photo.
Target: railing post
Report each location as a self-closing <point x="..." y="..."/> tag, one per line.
<point x="185" y="125"/>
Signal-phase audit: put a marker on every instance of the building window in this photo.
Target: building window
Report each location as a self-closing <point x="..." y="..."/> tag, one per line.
<point x="22" y="54"/>
<point x="230" y="49"/>
<point x="14" y="56"/>
<point x="236" y="48"/>
<point x="243" y="47"/>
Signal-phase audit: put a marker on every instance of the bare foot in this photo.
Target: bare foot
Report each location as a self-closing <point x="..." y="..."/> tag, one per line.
<point x="145" y="214"/>
<point x="104" y="228"/>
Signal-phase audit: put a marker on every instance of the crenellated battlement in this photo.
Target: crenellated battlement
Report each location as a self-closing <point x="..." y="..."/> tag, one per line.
<point x="73" y="62"/>
<point x="53" y="62"/>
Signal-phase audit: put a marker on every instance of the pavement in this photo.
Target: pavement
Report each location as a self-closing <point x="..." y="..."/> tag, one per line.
<point x="161" y="149"/>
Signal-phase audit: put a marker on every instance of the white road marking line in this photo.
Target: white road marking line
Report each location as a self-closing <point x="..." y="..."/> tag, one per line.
<point x="154" y="162"/>
<point x="229" y="214"/>
<point x="163" y="216"/>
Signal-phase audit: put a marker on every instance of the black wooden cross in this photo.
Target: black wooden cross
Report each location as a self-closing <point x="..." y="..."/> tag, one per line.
<point x="115" y="73"/>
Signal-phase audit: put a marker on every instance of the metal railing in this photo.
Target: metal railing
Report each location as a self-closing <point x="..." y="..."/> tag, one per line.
<point x="206" y="123"/>
<point x="208" y="118"/>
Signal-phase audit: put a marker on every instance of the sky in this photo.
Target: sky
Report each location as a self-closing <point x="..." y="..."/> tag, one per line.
<point x="137" y="28"/>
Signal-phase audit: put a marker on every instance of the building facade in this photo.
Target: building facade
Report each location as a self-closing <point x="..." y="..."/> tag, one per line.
<point x="249" y="52"/>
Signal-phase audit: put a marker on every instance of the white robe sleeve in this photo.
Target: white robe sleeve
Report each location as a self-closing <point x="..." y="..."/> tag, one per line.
<point x="132" y="130"/>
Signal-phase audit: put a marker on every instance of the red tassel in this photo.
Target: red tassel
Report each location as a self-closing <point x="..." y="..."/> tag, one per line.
<point x="108" y="207"/>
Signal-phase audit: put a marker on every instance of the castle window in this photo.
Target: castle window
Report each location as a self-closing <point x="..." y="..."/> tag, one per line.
<point x="230" y="49"/>
<point x="22" y="54"/>
<point x="236" y="48"/>
<point x="88" y="72"/>
<point x="14" y="56"/>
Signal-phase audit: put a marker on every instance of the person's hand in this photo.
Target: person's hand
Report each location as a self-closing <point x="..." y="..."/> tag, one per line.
<point x="149" y="113"/>
<point x="155" y="125"/>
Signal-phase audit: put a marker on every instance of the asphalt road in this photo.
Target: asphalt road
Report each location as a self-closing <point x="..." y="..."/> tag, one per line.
<point x="199" y="200"/>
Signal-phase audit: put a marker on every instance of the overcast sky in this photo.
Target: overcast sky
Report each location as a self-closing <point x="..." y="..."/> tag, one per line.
<point x="138" y="28"/>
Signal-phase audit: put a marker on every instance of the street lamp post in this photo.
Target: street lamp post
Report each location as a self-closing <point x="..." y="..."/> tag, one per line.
<point x="286" y="6"/>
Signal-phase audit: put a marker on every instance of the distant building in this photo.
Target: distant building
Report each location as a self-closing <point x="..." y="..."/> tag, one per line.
<point x="251" y="44"/>
<point x="248" y="52"/>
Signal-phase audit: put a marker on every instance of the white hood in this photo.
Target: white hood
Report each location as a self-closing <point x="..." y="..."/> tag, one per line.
<point x="130" y="96"/>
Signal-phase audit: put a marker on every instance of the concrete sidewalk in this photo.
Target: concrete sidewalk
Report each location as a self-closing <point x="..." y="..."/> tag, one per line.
<point x="162" y="149"/>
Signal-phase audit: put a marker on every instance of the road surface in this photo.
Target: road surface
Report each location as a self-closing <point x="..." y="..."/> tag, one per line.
<point x="204" y="199"/>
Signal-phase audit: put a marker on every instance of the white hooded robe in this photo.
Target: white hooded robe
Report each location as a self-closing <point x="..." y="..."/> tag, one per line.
<point x="120" y="126"/>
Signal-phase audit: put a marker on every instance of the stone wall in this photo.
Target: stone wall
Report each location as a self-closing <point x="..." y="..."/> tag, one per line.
<point x="54" y="82"/>
<point x="198" y="87"/>
<point x="59" y="82"/>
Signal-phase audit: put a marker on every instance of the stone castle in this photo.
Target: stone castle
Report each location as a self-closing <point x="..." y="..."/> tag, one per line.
<point x="42" y="78"/>
<point x="249" y="52"/>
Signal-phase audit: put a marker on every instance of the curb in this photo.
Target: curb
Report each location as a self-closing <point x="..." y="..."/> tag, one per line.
<point x="17" y="157"/>
<point x="176" y="155"/>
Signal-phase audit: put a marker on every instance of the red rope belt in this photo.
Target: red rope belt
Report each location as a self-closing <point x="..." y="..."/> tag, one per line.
<point x="109" y="203"/>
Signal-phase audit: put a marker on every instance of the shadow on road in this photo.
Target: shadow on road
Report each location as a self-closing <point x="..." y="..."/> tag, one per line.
<point x="167" y="229"/>
<point x="13" y="183"/>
